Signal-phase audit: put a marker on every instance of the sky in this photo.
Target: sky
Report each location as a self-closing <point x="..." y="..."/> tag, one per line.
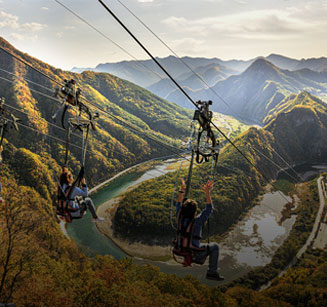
<point x="226" y="29"/>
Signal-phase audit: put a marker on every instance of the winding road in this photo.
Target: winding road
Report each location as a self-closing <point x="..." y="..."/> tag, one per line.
<point x="318" y="235"/>
<point x="320" y="240"/>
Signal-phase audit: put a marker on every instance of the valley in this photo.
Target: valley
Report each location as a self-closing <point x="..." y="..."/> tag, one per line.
<point x="283" y="97"/>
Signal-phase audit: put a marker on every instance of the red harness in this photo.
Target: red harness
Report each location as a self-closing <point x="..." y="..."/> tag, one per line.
<point x="183" y="246"/>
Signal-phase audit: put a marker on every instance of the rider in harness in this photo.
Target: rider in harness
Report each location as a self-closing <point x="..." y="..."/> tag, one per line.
<point x="189" y="210"/>
<point x="77" y="207"/>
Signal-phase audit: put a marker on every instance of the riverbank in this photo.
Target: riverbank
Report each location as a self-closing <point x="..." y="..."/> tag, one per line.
<point x="143" y="166"/>
<point x="260" y="205"/>
<point x="108" y="209"/>
<point x="138" y="250"/>
<point x="306" y="212"/>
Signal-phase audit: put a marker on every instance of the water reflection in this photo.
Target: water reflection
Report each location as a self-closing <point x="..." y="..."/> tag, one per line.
<point x="255" y="239"/>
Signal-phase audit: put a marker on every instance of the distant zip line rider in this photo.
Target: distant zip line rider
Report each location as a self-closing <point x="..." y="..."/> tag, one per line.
<point x="69" y="92"/>
<point x="77" y="207"/>
<point x="189" y="210"/>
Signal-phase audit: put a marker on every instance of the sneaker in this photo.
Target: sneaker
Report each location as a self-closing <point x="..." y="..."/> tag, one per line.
<point x="98" y="219"/>
<point x="214" y="276"/>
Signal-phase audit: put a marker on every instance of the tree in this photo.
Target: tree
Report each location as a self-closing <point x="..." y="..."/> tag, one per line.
<point x="17" y="222"/>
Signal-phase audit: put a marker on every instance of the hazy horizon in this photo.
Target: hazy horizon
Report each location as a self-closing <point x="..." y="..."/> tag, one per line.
<point x="224" y="29"/>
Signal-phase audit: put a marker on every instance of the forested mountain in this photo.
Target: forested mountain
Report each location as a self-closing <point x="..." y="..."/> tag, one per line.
<point x="255" y="92"/>
<point x="261" y="87"/>
<point x="146" y="72"/>
<point x="211" y="74"/>
<point x="251" y="89"/>
<point x="297" y="131"/>
<point x="40" y="267"/>
<point x="282" y="61"/>
<point x="315" y="64"/>
<point x="213" y="71"/>
<point x="112" y="146"/>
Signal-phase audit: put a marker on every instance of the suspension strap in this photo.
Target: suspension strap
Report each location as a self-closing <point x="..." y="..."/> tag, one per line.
<point x="189" y="177"/>
<point x="84" y="147"/>
<point x="214" y="163"/>
<point x="66" y="106"/>
<point x="3" y="131"/>
<point x="173" y="197"/>
<point x="67" y="145"/>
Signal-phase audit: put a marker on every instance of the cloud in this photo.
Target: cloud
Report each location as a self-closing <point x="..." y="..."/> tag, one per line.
<point x="8" y="20"/>
<point x="60" y="34"/>
<point x="144" y="1"/>
<point x="20" y="31"/>
<point x="11" y="21"/>
<point x="255" y="24"/>
<point x="70" y="27"/>
<point x="44" y="8"/>
<point x="188" y="45"/>
<point x="175" y="21"/>
<point x="21" y="37"/>
<point x="33" y="26"/>
<point x="242" y="2"/>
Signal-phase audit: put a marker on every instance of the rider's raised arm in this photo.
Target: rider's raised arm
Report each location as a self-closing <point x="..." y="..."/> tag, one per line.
<point x="81" y="192"/>
<point x="180" y="196"/>
<point x="205" y="214"/>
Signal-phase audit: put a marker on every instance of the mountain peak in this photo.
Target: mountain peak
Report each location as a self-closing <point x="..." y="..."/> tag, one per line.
<point x="260" y="63"/>
<point x="263" y="69"/>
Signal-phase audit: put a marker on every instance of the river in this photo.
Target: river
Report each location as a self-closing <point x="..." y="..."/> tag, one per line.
<point x="251" y="243"/>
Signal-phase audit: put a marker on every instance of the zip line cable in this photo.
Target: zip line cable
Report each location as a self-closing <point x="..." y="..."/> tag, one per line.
<point x="290" y="166"/>
<point x="105" y="36"/>
<point x="60" y="128"/>
<point x="92" y="104"/>
<point x="30" y="81"/>
<point x="76" y="146"/>
<point x="111" y="115"/>
<point x="53" y="98"/>
<point x="44" y="120"/>
<point x="272" y="162"/>
<point x="199" y="77"/>
<point x="29" y="65"/>
<point x="102" y="34"/>
<point x="177" y="84"/>
<point x="172" y="79"/>
<point x="138" y="63"/>
<point x="147" y="51"/>
<point x="33" y="90"/>
<point x="156" y="141"/>
<point x="184" y="62"/>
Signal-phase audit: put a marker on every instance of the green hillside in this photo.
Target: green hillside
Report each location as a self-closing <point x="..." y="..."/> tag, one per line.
<point x="258" y="90"/>
<point x="39" y="266"/>
<point x="298" y="135"/>
<point x="113" y="146"/>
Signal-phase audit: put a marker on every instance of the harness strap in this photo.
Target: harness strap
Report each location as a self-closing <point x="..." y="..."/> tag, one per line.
<point x="3" y="131"/>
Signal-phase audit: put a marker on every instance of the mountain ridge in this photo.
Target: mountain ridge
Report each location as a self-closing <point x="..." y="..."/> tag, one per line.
<point x="142" y="109"/>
